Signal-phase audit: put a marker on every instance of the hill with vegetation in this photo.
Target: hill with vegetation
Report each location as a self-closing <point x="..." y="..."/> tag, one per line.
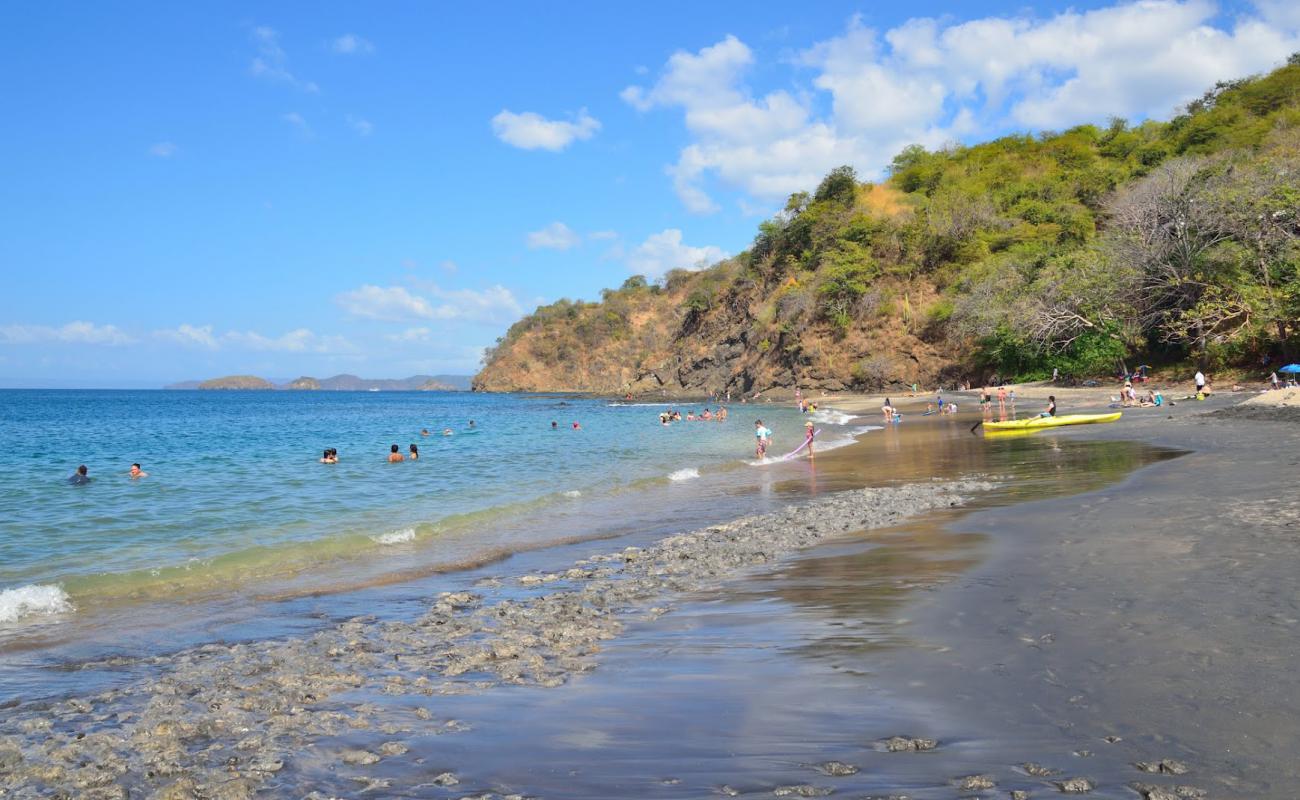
<point x="1079" y="250"/>
<point x="237" y="382"/>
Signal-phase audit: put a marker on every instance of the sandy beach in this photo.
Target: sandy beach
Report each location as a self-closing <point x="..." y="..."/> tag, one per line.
<point x="1099" y="617"/>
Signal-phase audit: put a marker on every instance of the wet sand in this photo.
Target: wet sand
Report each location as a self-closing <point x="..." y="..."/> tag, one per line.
<point x="1041" y="646"/>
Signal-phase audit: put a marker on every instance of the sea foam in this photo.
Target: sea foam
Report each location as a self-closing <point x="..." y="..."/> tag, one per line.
<point x="396" y="537"/>
<point x="684" y="474"/>
<point x="26" y="600"/>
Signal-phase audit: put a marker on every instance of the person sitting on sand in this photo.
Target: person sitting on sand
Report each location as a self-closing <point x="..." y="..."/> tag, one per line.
<point x="415" y="451"/>
<point x="135" y="472"/>
<point x="79" y="478"/>
<point x="395" y="455"/>
<point x="763" y="438"/>
<point x="808" y="434"/>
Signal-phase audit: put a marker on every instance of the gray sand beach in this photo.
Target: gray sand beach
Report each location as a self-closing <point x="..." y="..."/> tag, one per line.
<point x="1116" y="619"/>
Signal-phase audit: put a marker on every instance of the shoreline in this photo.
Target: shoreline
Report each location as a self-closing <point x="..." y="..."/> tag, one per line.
<point x="999" y="642"/>
<point x="142" y="735"/>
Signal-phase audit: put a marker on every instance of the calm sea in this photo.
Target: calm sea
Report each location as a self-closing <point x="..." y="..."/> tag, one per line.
<point x="236" y="497"/>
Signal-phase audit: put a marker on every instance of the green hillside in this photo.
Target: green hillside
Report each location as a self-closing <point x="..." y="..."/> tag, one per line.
<point x="1074" y="250"/>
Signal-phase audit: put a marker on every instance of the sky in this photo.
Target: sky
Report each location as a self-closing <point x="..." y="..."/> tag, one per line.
<point x="285" y="189"/>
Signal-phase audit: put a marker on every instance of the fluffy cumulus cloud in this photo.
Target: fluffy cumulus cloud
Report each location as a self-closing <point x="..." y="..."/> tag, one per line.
<point x="532" y="131"/>
<point x="665" y="251"/>
<point x="388" y="303"/>
<point x="556" y="236"/>
<point x="271" y="62"/>
<point x="190" y="335"/>
<point x="430" y="301"/>
<point x="930" y="82"/>
<point x="78" y="332"/>
<point x="349" y="44"/>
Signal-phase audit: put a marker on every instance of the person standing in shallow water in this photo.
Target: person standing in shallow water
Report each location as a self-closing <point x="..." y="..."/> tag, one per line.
<point x="136" y="472"/>
<point x="79" y="478"/>
<point x="763" y="437"/>
<point x="415" y="452"/>
<point x="395" y="455"/>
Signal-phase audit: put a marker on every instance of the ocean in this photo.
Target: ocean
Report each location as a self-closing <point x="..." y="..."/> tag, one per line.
<point x="236" y="501"/>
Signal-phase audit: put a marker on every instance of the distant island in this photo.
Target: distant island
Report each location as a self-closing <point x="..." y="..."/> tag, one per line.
<point x="338" y="383"/>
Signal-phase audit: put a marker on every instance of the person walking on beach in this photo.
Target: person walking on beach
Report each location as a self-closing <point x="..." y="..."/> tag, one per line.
<point x="808" y="434"/>
<point x="79" y="478"/>
<point x="1200" y="384"/>
<point x="395" y="455"/>
<point x="136" y="472"/>
<point x="1273" y="380"/>
<point x="763" y="438"/>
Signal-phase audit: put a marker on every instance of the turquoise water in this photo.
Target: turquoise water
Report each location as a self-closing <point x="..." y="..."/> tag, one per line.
<point x="235" y="492"/>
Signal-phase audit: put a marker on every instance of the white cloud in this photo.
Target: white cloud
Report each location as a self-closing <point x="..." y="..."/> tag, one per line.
<point x="361" y="126"/>
<point x="448" y="266"/>
<point x="296" y="120"/>
<point x="299" y="340"/>
<point x="929" y="82"/>
<point x="531" y="131"/>
<point x="664" y="251"/>
<point x="602" y="236"/>
<point x="163" y="150"/>
<point x="389" y="303"/>
<point x="350" y="44"/>
<point x="495" y="304"/>
<point x="78" y="332"/>
<point x="192" y="335"/>
<point x="411" y="335"/>
<point x="556" y="236"/>
<point x="271" y="62"/>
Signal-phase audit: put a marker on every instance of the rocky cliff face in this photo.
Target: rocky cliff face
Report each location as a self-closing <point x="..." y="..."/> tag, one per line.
<point x="666" y="341"/>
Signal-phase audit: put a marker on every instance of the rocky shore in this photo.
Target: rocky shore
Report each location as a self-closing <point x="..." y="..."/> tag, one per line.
<point x="230" y="721"/>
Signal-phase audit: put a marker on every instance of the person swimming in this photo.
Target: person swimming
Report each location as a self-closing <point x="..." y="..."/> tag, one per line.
<point x="424" y="431"/>
<point x="448" y="432"/>
<point x="79" y="478"/>
<point x="328" y="457"/>
<point x="395" y="455"/>
<point x="576" y="426"/>
<point x="135" y="472"/>
<point x="555" y="426"/>
<point x="415" y="452"/>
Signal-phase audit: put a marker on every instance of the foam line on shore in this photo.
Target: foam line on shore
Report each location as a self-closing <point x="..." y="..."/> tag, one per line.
<point x="26" y="601"/>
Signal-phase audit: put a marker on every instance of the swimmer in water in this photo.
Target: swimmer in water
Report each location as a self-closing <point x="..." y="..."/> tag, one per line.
<point x="448" y="432"/>
<point x="576" y="426"/>
<point x="136" y="472"/>
<point x="79" y="478"/>
<point x="327" y="457"/>
<point x="424" y="431"/>
<point x="471" y="424"/>
<point x="415" y="452"/>
<point x="395" y="455"/>
<point x="555" y="426"/>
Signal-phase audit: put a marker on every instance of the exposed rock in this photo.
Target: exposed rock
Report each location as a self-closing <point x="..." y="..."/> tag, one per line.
<point x="835" y="768"/>
<point x="902" y="744"/>
<point x="1075" y="786"/>
<point x="973" y="783"/>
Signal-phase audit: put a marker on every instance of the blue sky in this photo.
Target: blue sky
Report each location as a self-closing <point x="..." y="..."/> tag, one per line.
<point x="311" y="188"/>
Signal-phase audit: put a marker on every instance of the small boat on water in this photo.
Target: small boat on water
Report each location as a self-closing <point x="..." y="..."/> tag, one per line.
<point x="1035" y="423"/>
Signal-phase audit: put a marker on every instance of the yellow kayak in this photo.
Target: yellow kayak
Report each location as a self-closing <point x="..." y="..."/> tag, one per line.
<point x="1034" y="423"/>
